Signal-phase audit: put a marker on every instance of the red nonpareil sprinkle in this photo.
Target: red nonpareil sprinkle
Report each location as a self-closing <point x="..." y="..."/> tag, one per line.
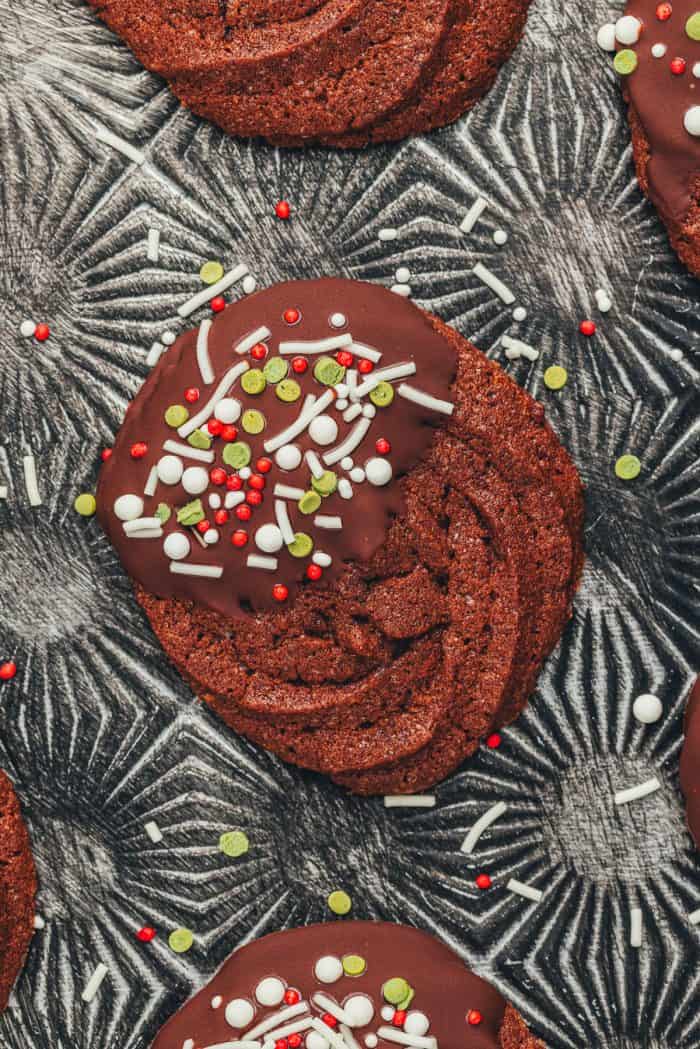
<point x="215" y="426"/>
<point x="146" y="934"/>
<point x="239" y="537"/>
<point x="299" y="365"/>
<point x="364" y="366"/>
<point x="494" y="741"/>
<point x="138" y="450"/>
<point x="483" y="881"/>
<point x="218" y="303"/>
<point x="229" y="432"/>
<point x="203" y="526"/>
<point x="256" y="481"/>
<point x="263" y="465"/>
<point x="291" y="997"/>
<point x="282" y="209"/>
<point x="42" y="332"/>
<point x="105" y="454"/>
<point x="678" y="66"/>
<point x="234" y="483"/>
<point x="281" y="1043"/>
<point x="474" y="1017"/>
<point x="587" y="328"/>
<point x="345" y="358"/>
<point x="382" y="447"/>
<point x="191" y="394"/>
<point x="399" y="1018"/>
<point x="221" y="516"/>
<point x="329" y="1020"/>
<point x="254" y="498"/>
<point x="314" y="572"/>
<point x="259" y="351"/>
<point x="294" y="1041"/>
<point x="280" y="592"/>
<point x="663" y="12"/>
<point x="291" y="316"/>
<point x="8" y="670"/>
<point x="243" y="512"/>
<point x="217" y="475"/>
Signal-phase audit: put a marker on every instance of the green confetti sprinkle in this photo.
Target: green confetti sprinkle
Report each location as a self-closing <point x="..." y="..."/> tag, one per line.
<point x="302" y="546"/>
<point x="405" y="1002"/>
<point x="328" y="371"/>
<point x="234" y="843"/>
<point x="339" y="902"/>
<point x="236" y="454"/>
<point x="163" y="512"/>
<point x="625" y="62"/>
<point x="309" y="502"/>
<point x="354" y="964"/>
<point x="288" y="390"/>
<point x="199" y="439"/>
<point x="190" y="514"/>
<point x="180" y="940"/>
<point x="326" y="484"/>
<point x="253" y="421"/>
<point x="211" y="272"/>
<point x="396" y="989"/>
<point x="253" y="381"/>
<point x="628" y="467"/>
<point x="382" y="394"/>
<point x="692" y="26"/>
<point x="555" y="377"/>
<point x="275" y="369"/>
<point x="85" y="504"/>
<point x="176" y="415"/>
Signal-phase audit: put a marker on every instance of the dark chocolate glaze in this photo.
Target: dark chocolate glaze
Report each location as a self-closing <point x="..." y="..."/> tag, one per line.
<point x="375" y="317"/>
<point x="445" y="990"/>
<point x="660" y="100"/>
<point x="690" y="762"/>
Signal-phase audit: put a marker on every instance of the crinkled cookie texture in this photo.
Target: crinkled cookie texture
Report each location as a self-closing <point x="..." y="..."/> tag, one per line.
<point x="17" y="890"/>
<point x="347" y="974"/>
<point x="690" y="762"/>
<point x="339" y="72"/>
<point x="446" y="580"/>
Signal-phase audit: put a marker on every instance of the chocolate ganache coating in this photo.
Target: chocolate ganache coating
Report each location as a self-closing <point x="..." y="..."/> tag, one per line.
<point x="17" y="890"/>
<point x="690" y="762"/>
<point x="358" y="969"/>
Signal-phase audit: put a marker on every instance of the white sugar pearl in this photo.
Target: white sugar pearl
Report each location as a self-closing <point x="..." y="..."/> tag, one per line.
<point x="227" y="411"/>
<point x="239" y="1012"/>
<point x="215" y="500"/>
<point x="676" y="355"/>
<point x="647" y="708"/>
<point x="323" y="429"/>
<point x="216" y="1001"/>
<point x="324" y="560"/>
<point x="691" y="120"/>
<point x="288" y="457"/>
<point x="244" y="473"/>
<point x="328" y="969"/>
<point x="403" y="275"/>
<point x="696" y="72"/>
<point x="606" y="36"/>
<point x="195" y="480"/>
<point x="340" y="405"/>
<point x="270" y="991"/>
<point x="337" y="320"/>
<point x="371" y="1041"/>
<point x="169" y="469"/>
<point x="658" y="50"/>
<point x="347" y="463"/>
<point x="627" y="29"/>
<point x="168" y="338"/>
<point x="359" y="1010"/>
<point x="387" y="1012"/>
<point x="314" y="1040"/>
<point x="357" y="474"/>
<point x="249" y="284"/>
<point x="378" y="471"/>
<point x="211" y="536"/>
<point x="416" y="1023"/>
<point x="27" y="329"/>
<point x="500" y="237"/>
<point x="369" y="411"/>
<point x="519" y="313"/>
<point x="176" y="546"/>
<point x="268" y="538"/>
<point x="128" y="507"/>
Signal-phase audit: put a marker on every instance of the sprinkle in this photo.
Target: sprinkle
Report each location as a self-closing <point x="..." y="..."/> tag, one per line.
<point x="180" y="940"/>
<point x="3" y="491"/>
<point x="489" y="817"/>
<point x="347" y="1034"/>
<point x="141" y="524"/>
<point x="628" y="467"/>
<point x="277" y="1018"/>
<point x="208" y="571"/>
<point x="473" y="215"/>
<point x="351" y="442"/>
<point x="410" y="393"/>
<point x="211" y="272"/>
<point x="391" y="1034"/>
<point x="328" y="1033"/>
<point x="258" y="561"/>
<point x="515" y="348"/>
<point x="212" y="291"/>
<point x="39" y="922"/>
<point x="587" y="328"/>
<point x="357" y="474"/>
<point x="337" y="320"/>
<point x="301" y="422"/>
<point x="313" y="346"/>
<point x="249" y="284"/>
<point x="8" y="670"/>
<point x="491" y="281"/>
<point x="388" y="233"/>
<point x="153" y="245"/>
<point x="314" y="464"/>
<point x="396" y="371"/>
<point x="287" y="491"/>
<point x="147" y="934"/>
<point x="283" y="522"/>
<point x="555" y="377"/>
<point x="404" y="290"/>
<point x="403" y="274"/>
<point x="109" y="139"/>
<point x="151" y="481"/>
<point x="203" y="359"/>
<point x="694" y="917"/>
<point x="339" y="903"/>
<point x="647" y="708"/>
<point x="368" y="353"/>
<point x="519" y="313"/>
<point x="221" y="390"/>
<point x="405" y="801"/>
<point x="232" y="499"/>
<point x="153" y="831"/>
<point x="94" y="983"/>
<point x="603" y="300"/>
<point x="635" y="793"/>
<point x="500" y="237"/>
<point x="345" y="488"/>
<point x="168" y="337"/>
<point x="635" y="927"/>
<point x="259" y="335"/>
<point x="27" y="329"/>
<point x="234" y="843"/>
<point x="42" y="332"/>
<point x="527" y="891"/>
<point x="283" y="1032"/>
<point x="188" y="452"/>
<point x="328" y="521"/>
<point x="85" y="504"/>
<point x="483" y="881"/>
<point x="606" y="37"/>
<point x="282" y="209"/>
<point x="322" y="559"/>
<point x="30" y="482"/>
<point x="353" y="411"/>
<point x="154" y="354"/>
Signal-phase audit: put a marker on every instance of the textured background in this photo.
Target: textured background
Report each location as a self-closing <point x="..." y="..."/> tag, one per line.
<point x="99" y="733"/>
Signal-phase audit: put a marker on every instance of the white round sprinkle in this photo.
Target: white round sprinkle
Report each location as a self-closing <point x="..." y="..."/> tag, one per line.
<point x="403" y="275"/>
<point x="211" y="536"/>
<point x="659" y="50"/>
<point x="128" y="507"/>
<point x="340" y="404"/>
<point x="268" y="538"/>
<point x="216" y="1001"/>
<point x="314" y="1040"/>
<point x="371" y="1041"/>
<point x="388" y="233"/>
<point x="691" y="120"/>
<point x="387" y="1012"/>
<point x="676" y="355"/>
<point x="337" y="320"/>
<point x="27" y="329"/>
<point x="249" y="284"/>
<point x="239" y="1012"/>
<point x="323" y="429"/>
<point x="195" y="480"/>
<point x="215" y="500"/>
<point x="168" y="338"/>
<point x="357" y="474"/>
<point x="627" y="29"/>
<point x="176" y="546"/>
<point x="500" y="237"/>
<point x="696" y="69"/>
<point x="519" y="313"/>
<point x="169" y="469"/>
<point x="647" y="708"/>
<point x="227" y="411"/>
<point x="369" y="411"/>
<point x="378" y="471"/>
<point x="270" y="991"/>
<point x="244" y="473"/>
<point x="359" y="1010"/>
<point x="288" y="457"/>
<point x="606" y="36"/>
<point x="416" y="1023"/>
<point x="328" y="969"/>
<point x="347" y="462"/>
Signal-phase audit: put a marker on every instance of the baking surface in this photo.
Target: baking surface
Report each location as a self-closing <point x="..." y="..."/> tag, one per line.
<point x="99" y="733"/>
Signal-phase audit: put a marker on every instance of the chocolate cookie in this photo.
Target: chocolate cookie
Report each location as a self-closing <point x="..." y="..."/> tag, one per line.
<point x="346" y="985"/>
<point x="341" y="72"/>
<point x="690" y="762"/>
<point x="658" y="58"/>
<point x="17" y="890"/>
<point x="435" y="544"/>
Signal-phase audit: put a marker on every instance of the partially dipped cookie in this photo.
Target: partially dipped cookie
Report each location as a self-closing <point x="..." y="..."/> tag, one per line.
<point x="347" y="985"/>
<point x="690" y="762"/>
<point x="354" y="535"/>
<point x="17" y="890"/>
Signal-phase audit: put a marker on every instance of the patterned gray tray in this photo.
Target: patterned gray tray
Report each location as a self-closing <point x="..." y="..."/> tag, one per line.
<point x="98" y="731"/>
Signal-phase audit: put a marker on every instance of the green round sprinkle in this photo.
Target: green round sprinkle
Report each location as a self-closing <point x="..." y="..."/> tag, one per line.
<point x="405" y="1002"/>
<point x="354" y="964"/>
<point x="326" y="484"/>
<point x="302" y="546"/>
<point x="176" y="415"/>
<point x="199" y="439"/>
<point x="85" y="504"/>
<point x="328" y="371"/>
<point x="555" y="377"/>
<point x="275" y="369"/>
<point x="692" y="26"/>
<point x="236" y="454"/>
<point x="396" y="989"/>
<point x="309" y="502"/>
<point x="211" y="272"/>
<point x="163" y="512"/>
<point x="625" y="62"/>
<point x="253" y="421"/>
<point x="234" y="843"/>
<point x="627" y="467"/>
<point x="288" y="390"/>
<point x="253" y="381"/>
<point x="180" y="940"/>
<point x="190" y="514"/>
<point x="382" y="394"/>
<point x="339" y="902"/>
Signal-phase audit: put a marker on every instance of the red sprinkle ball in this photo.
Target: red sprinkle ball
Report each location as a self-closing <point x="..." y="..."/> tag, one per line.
<point x="203" y="526"/>
<point x="105" y="454"/>
<point x="587" y="328"/>
<point x="314" y="572"/>
<point x="191" y="394"/>
<point x="329" y="1020"/>
<point x="234" y="483"/>
<point x="299" y="365"/>
<point x="344" y="358"/>
<point x="494" y="741"/>
<point x="294" y="1041"/>
<point x="221" y="516"/>
<point x="291" y="997"/>
<point x="280" y="592"/>
<point x="214" y="426"/>
<point x="291" y="316"/>
<point x="382" y="447"/>
<point x="218" y="303"/>
<point x="239" y="537"/>
<point x="253" y="497"/>
<point x="229" y="432"/>
<point x="282" y="209"/>
<point x="474" y="1017"/>
<point x="138" y="450"/>
<point x="263" y="465"/>
<point x="678" y="66"/>
<point x="281" y="1043"/>
<point x="364" y="366"/>
<point x="146" y="934"/>
<point x="256" y="481"/>
<point x="42" y="332"/>
<point x="217" y="475"/>
<point x="7" y="670"/>
<point x="483" y="881"/>
<point x="243" y="512"/>
<point x="259" y="351"/>
<point x="663" y="12"/>
<point x="399" y="1018"/>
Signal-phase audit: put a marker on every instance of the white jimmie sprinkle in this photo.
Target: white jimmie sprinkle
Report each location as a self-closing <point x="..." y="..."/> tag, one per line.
<point x="635" y="927"/>
<point x="207" y="294"/>
<point x="410" y="393"/>
<point x="153" y="831"/>
<point x="489" y="817"/>
<point x="259" y="335"/>
<point x="409" y="801"/>
<point x="153" y="245"/>
<point x="154" y="354"/>
<point x="404" y="290"/>
<point x="109" y="139"/>
<point x="388" y="233"/>
<point x="529" y="892"/>
<point x="473" y="215"/>
<point x="515" y="348"/>
<point x="208" y="571"/>
<point x="333" y="342"/>
<point x="30" y="481"/>
<point x="186" y="450"/>
<point x="202" y="351"/>
<point x="491" y="281"/>
<point x="258" y="561"/>
<point x="328" y="521"/>
<point x="221" y="390"/>
<point x="94" y="983"/>
<point x="694" y="917"/>
<point x="635" y="793"/>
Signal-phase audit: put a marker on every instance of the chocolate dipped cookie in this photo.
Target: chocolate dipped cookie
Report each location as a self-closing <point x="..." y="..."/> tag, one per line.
<point x="355" y="536"/>
<point x="17" y="890"/>
<point x="340" y="72"/>
<point x="690" y="762"/>
<point x="347" y="985"/>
